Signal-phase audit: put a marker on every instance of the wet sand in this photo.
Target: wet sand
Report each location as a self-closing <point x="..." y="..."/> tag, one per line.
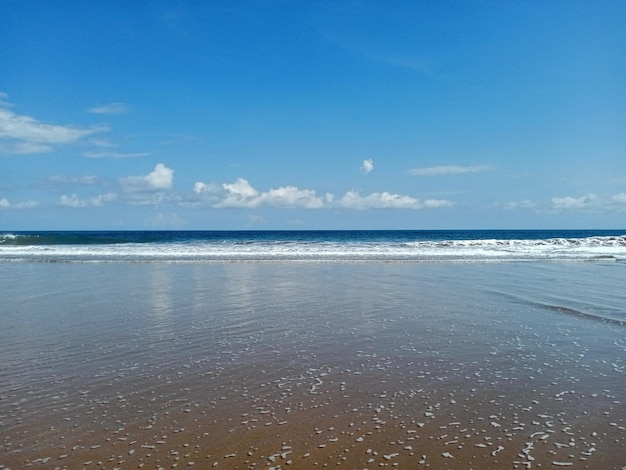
<point x="311" y="366"/>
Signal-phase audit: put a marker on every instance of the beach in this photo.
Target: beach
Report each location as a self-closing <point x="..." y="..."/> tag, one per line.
<point x="311" y="365"/>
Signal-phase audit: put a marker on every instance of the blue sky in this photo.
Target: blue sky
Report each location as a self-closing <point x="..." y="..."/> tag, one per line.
<point x="285" y="114"/>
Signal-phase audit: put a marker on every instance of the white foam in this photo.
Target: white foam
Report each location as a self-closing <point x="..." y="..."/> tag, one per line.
<point x="582" y="249"/>
<point x="7" y="236"/>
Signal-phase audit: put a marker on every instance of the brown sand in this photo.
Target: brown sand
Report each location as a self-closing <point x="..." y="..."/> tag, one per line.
<point x="381" y="412"/>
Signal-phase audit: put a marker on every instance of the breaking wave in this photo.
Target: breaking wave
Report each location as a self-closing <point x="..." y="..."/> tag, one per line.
<point x="347" y="246"/>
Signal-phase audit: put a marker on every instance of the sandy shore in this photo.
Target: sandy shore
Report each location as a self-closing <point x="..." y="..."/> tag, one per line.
<point x="307" y="367"/>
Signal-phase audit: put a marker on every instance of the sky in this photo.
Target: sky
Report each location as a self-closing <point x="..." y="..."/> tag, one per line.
<point x="279" y="114"/>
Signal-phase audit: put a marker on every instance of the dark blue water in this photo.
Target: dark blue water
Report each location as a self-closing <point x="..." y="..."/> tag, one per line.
<point x="303" y="236"/>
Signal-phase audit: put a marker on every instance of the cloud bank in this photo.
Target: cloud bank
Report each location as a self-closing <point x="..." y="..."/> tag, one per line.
<point x="155" y="188"/>
<point x="616" y="202"/>
<point x="241" y="194"/>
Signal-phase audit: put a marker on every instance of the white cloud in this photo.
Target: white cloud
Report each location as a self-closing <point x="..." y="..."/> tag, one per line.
<point x="436" y="203"/>
<point x="5" y="204"/>
<point x="447" y="170"/>
<point x="525" y="204"/>
<point x="27" y="204"/>
<point x="385" y="200"/>
<point x="587" y="202"/>
<point x="103" y="154"/>
<point x="159" y="179"/>
<point x="573" y="203"/>
<point x="620" y="198"/>
<point x="367" y="165"/>
<point x="102" y="143"/>
<point x="150" y="189"/>
<point x="206" y="194"/>
<point x="291" y="196"/>
<point x="72" y="201"/>
<point x="353" y="200"/>
<point x="111" y="108"/>
<point x="97" y="201"/>
<point x="103" y="198"/>
<point x="82" y="180"/>
<point x="23" y="148"/>
<point x="242" y="194"/>
<point x="24" y="134"/>
<point x="200" y="187"/>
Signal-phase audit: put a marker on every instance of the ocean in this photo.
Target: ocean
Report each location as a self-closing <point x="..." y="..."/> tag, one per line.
<point x="377" y="245"/>
<point x="365" y="349"/>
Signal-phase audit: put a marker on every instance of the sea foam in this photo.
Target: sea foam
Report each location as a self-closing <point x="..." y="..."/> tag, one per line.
<point x="343" y="249"/>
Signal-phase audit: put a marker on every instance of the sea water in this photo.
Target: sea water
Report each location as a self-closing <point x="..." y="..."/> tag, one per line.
<point x="113" y="360"/>
<point x="194" y="246"/>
